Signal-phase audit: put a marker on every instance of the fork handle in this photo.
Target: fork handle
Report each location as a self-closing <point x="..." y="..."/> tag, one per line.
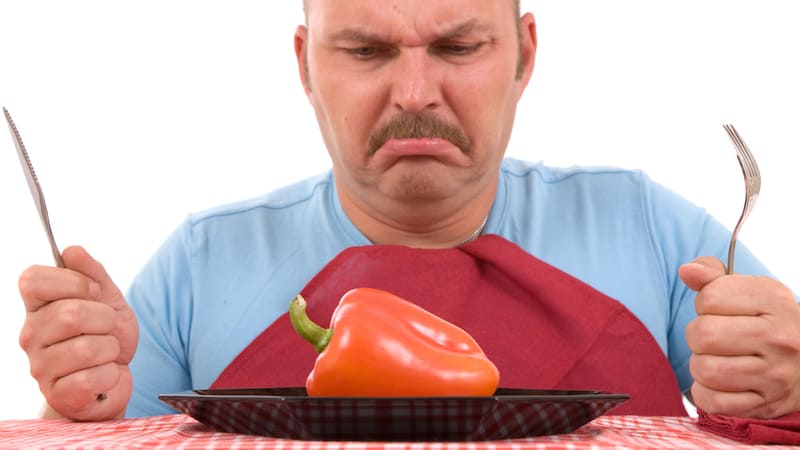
<point x="731" y="251"/>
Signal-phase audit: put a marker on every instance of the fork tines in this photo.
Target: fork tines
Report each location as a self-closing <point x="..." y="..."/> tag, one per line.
<point x="746" y="159"/>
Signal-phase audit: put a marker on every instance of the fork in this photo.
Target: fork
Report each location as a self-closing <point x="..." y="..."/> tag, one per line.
<point x="752" y="186"/>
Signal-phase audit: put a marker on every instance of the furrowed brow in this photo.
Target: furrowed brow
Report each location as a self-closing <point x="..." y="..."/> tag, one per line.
<point x="459" y="30"/>
<point x="464" y="29"/>
<point x="355" y="35"/>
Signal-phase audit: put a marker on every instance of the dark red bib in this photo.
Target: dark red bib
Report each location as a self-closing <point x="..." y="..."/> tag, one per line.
<point x="543" y="328"/>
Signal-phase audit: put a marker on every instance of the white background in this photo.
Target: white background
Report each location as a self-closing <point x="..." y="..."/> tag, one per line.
<point x="136" y="113"/>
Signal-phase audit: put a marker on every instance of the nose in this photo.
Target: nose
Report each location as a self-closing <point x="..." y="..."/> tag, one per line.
<point x="416" y="82"/>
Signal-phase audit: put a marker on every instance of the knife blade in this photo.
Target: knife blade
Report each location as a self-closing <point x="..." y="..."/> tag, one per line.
<point x="34" y="186"/>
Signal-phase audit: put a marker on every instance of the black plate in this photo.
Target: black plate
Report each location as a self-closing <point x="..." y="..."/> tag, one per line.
<point x="290" y="413"/>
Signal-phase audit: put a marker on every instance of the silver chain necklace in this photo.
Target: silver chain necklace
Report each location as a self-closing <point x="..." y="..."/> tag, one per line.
<point x="475" y="233"/>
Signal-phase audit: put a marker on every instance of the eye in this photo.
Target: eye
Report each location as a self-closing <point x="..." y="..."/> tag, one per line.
<point x="367" y="52"/>
<point x="363" y="52"/>
<point x="458" y="49"/>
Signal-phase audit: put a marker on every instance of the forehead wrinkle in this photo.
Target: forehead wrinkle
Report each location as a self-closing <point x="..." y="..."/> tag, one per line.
<point x="464" y="28"/>
<point x="452" y="30"/>
<point x="457" y="30"/>
<point x="355" y="34"/>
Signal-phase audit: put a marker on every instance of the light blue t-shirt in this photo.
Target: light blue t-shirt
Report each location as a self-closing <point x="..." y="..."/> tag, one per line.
<point x="226" y="274"/>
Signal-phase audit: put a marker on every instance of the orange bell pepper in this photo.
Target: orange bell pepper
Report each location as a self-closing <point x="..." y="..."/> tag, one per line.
<point x="380" y="345"/>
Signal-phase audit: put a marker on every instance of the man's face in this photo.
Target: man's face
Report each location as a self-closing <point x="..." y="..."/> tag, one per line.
<point x="415" y="99"/>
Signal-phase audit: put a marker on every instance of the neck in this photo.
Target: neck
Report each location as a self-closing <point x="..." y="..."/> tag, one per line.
<point x="452" y="230"/>
<point x="442" y="223"/>
<point x="433" y="239"/>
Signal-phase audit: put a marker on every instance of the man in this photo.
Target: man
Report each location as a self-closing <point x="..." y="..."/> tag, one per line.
<point x="416" y="102"/>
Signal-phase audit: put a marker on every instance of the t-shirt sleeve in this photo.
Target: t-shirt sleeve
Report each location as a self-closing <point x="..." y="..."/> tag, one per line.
<point x="161" y="295"/>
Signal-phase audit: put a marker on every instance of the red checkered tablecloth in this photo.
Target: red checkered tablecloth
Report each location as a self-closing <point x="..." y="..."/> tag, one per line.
<point x="181" y="431"/>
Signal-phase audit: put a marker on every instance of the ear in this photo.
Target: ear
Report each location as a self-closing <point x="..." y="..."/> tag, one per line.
<point x="301" y="53"/>
<point x="528" y="45"/>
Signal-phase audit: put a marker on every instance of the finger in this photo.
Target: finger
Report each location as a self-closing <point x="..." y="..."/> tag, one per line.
<point x="731" y="373"/>
<point x="740" y="404"/>
<point x="78" y="259"/>
<point x="65" y="319"/>
<point x="126" y="329"/>
<point x="76" y="395"/>
<point x="701" y="271"/>
<point x="74" y="355"/>
<point x="127" y="332"/>
<point x="744" y="295"/>
<point x="40" y="285"/>
<point x="714" y="335"/>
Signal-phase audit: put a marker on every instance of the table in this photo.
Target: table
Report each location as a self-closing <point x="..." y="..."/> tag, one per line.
<point x="182" y="431"/>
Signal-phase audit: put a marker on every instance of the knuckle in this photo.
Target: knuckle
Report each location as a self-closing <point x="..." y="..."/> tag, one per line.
<point x="37" y="369"/>
<point x="696" y="375"/>
<point x="788" y="342"/>
<point x="774" y="409"/>
<point x="703" y="300"/>
<point x="712" y="298"/>
<point x="27" y="282"/>
<point x="760" y="406"/>
<point x="703" y="335"/>
<point x="696" y="367"/>
<point x="704" y="399"/>
<point x="715" y="403"/>
<point x="84" y="350"/>
<point x="781" y="379"/>
<point x="70" y="316"/>
<point x="706" y="370"/>
<point x="27" y="338"/>
<point x="690" y="332"/>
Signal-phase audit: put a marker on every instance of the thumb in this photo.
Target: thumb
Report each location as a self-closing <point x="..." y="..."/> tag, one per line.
<point x="78" y="259"/>
<point x="701" y="271"/>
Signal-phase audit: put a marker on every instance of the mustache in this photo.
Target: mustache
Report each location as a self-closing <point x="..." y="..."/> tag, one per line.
<point x="418" y="126"/>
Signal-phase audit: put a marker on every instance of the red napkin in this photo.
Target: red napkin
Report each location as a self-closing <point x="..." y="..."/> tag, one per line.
<point x="783" y="430"/>
<point x="542" y="327"/>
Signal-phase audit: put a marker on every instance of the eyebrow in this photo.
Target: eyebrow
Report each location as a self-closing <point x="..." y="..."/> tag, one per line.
<point x="353" y="34"/>
<point x="465" y="28"/>
<point x="459" y="30"/>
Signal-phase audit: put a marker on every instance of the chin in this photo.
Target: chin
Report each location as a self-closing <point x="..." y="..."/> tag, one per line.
<point x="419" y="187"/>
<point x="420" y="180"/>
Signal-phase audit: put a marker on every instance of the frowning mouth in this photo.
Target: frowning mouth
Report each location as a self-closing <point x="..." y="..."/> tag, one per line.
<point x="418" y="146"/>
<point x="418" y="133"/>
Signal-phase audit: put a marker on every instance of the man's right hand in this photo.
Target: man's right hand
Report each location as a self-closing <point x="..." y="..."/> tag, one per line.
<point x="79" y="335"/>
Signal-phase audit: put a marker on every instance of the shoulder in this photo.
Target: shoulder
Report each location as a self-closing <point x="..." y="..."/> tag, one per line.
<point x="287" y="200"/>
<point x="597" y="181"/>
<point x="553" y="174"/>
<point x="599" y="196"/>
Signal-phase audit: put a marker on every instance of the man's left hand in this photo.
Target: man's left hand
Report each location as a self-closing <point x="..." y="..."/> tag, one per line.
<point x="745" y="342"/>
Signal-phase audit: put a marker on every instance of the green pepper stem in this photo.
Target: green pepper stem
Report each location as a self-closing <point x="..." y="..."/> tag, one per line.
<point x="318" y="337"/>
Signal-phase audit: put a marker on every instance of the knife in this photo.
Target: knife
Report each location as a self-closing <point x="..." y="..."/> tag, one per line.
<point x="33" y="185"/>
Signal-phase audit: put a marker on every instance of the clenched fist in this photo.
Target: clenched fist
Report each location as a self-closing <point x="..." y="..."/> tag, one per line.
<point x="745" y="342"/>
<point x="79" y="335"/>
